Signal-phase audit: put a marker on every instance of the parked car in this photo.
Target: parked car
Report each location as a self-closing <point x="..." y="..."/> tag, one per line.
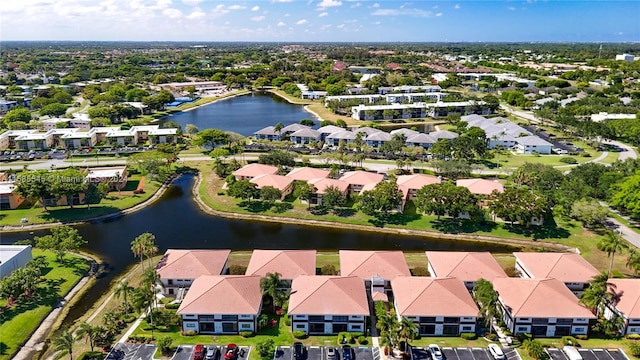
<point x="299" y="351"/>
<point x="346" y="353"/>
<point x="436" y="353"/>
<point x="496" y="352"/>
<point x="198" y="352"/>
<point x="232" y="352"/>
<point x="331" y="353"/>
<point x="212" y="353"/>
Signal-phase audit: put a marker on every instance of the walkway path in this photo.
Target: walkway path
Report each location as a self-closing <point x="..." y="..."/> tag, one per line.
<point x="36" y="341"/>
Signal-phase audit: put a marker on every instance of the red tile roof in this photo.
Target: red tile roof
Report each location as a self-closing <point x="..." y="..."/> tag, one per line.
<point x="228" y="295"/>
<point x="307" y="173"/>
<point x="277" y="181"/>
<point x="466" y="266"/>
<point x="627" y="296"/>
<point x="289" y="263"/>
<point x="255" y="169"/>
<point x="366" y="264"/>
<point x="360" y="177"/>
<point x="328" y="295"/>
<point x="322" y="184"/>
<point x="191" y="264"/>
<point x="481" y="186"/>
<point x="539" y="298"/>
<point x="566" y="267"/>
<point x="423" y="296"/>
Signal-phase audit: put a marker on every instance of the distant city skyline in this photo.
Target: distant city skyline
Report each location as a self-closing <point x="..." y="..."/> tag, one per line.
<point x="321" y="20"/>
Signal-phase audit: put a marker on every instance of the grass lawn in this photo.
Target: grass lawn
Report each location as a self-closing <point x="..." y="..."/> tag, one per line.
<point x="23" y="318"/>
<point x="113" y="203"/>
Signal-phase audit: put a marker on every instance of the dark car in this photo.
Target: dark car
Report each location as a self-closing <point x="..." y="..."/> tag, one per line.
<point x="213" y="353"/>
<point x="232" y="352"/>
<point x="299" y="351"/>
<point x="198" y="352"/>
<point x="346" y="353"/>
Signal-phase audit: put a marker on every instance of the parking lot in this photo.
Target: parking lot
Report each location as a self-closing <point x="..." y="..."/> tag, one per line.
<point x="124" y="351"/>
<point x="421" y="353"/>
<point x="185" y="352"/>
<point x="589" y="354"/>
<point x="320" y="353"/>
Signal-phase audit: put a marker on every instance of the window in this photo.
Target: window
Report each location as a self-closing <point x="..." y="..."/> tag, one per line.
<point x="300" y="326"/>
<point x="229" y="317"/>
<point x="540" y="321"/>
<point x="229" y="327"/>
<point x="209" y="318"/>
<point x="316" y="318"/>
<point x="451" y="330"/>
<point x="170" y="291"/>
<point x="245" y="326"/>
<point x="564" y="321"/>
<point x="191" y="325"/>
<point x="427" y="329"/>
<point x="356" y="327"/>
<point x="523" y="329"/>
<point x="170" y="282"/>
<point x="451" y="320"/>
<point x="430" y="319"/>
<point x="466" y="328"/>
<point x="340" y="318"/>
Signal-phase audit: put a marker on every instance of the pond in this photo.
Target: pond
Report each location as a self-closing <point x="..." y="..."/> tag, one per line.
<point x="242" y="114"/>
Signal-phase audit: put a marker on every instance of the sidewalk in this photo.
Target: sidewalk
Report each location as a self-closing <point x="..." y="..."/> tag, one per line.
<point x="505" y="340"/>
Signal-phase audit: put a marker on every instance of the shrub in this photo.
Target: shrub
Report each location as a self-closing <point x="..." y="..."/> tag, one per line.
<point x="633" y="336"/>
<point x="535" y="349"/>
<point x="329" y="269"/>
<point x="585" y="154"/>
<point x="190" y="333"/>
<point x="469" y="336"/>
<point x="362" y="340"/>
<point x="172" y="306"/>
<point x="492" y="337"/>
<point x="299" y="334"/>
<point x="220" y="193"/>
<point x="91" y="355"/>
<point x="634" y="348"/>
<point x="166" y="345"/>
<point x="570" y="340"/>
<point x="265" y="348"/>
<point x="287" y="321"/>
<point x="237" y="269"/>
<point x="344" y="337"/>
<point x="582" y="337"/>
<point x="568" y="160"/>
<point x="420" y="271"/>
<point x="246" y="334"/>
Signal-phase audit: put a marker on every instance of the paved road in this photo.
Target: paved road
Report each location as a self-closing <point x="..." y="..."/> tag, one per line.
<point x="628" y="153"/>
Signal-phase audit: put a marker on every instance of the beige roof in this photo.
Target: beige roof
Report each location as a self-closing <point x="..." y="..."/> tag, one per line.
<point x="223" y="295"/>
<point x="277" y="181"/>
<point x="424" y="296"/>
<point x="627" y="298"/>
<point x="307" y="173"/>
<point x="253" y="170"/>
<point x="379" y="296"/>
<point x="417" y="181"/>
<point x="540" y="298"/>
<point x="328" y="295"/>
<point x="566" y="267"/>
<point x="368" y="187"/>
<point x="466" y="266"/>
<point x="480" y="186"/>
<point x="361" y="177"/>
<point x="366" y="264"/>
<point x="191" y="264"/>
<point x="322" y="184"/>
<point x="289" y="263"/>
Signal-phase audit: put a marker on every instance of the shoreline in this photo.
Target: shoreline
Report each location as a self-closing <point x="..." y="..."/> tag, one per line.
<point x="153" y="198"/>
<point x="305" y="106"/>
<point x="230" y="95"/>
<point x="394" y="231"/>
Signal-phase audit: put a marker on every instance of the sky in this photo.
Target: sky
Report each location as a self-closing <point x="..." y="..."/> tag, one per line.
<point x="321" y="20"/>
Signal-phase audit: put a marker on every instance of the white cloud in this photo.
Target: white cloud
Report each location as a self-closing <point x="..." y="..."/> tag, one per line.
<point x="356" y="5"/>
<point x="237" y="7"/>
<point x="377" y="22"/>
<point x="325" y="27"/>
<point x="620" y="33"/>
<point x="341" y="26"/>
<point x="172" y="13"/>
<point x="457" y="6"/>
<point x="399" y="12"/>
<point x="375" y="5"/>
<point x="281" y="24"/>
<point x="323" y="14"/>
<point x="197" y="13"/>
<point x="287" y="15"/>
<point x="257" y="18"/>
<point x="192" y="2"/>
<point x="301" y="22"/>
<point x="511" y="8"/>
<point x="329" y="3"/>
<point x="439" y="14"/>
<point x="219" y="10"/>
<point x="255" y="8"/>
<point x="281" y="1"/>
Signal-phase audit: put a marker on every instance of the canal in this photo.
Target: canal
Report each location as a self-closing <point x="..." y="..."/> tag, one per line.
<point x="177" y="222"/>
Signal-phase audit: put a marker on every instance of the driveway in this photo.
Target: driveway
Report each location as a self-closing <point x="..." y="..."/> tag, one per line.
<point x="126" y="351"/>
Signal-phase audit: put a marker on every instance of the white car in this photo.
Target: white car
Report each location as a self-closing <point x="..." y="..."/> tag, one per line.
<point x="436" y="354"/>
<point x="496" y="352"/>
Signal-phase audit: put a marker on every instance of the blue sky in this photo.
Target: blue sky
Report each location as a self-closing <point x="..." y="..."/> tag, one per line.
<point x="320" y="20"/>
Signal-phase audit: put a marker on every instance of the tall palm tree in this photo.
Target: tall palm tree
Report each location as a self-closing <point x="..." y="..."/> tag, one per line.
<point x="137" y="247"/>
<point x="484" y="294"/>
<point x="408" y="330"/>
<point x="124" y="290"/>
<point x="90" y="333"/>
<point x="599" y="291"/>
<point x="270" y="285"/>
<point x="149" y="247"/>
<point x="633" y="260"/>
<point x="611" y="243"/>
<point x="63" y="345"/>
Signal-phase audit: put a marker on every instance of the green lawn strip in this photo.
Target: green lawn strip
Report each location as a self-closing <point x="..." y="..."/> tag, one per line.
<point x="590" y="343"/>
<point x="292" y="99"/>
<point x="22" y="320"/>
<point x="111" y="204"/>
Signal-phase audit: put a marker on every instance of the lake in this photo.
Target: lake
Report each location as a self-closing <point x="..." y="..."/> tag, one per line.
<point x="243" y="114"/>
<point x="177" y="222"/>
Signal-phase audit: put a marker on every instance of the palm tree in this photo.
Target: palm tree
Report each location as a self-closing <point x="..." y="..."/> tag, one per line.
<point x="270" y="285"/>
<point x="388" y="326"/>
<point x="599" y="291"/>
<point x="63" y="345"/>
<point x="408" y="330"/>
<point x="137" y="247"/>
<point x="484" y="294"/>
<point x="149" y="245"/>
<point x="89" y="332"/>
<point x="123" y="290"/>
<point x="633" y="260"/>
<point x="611" y="243"/>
